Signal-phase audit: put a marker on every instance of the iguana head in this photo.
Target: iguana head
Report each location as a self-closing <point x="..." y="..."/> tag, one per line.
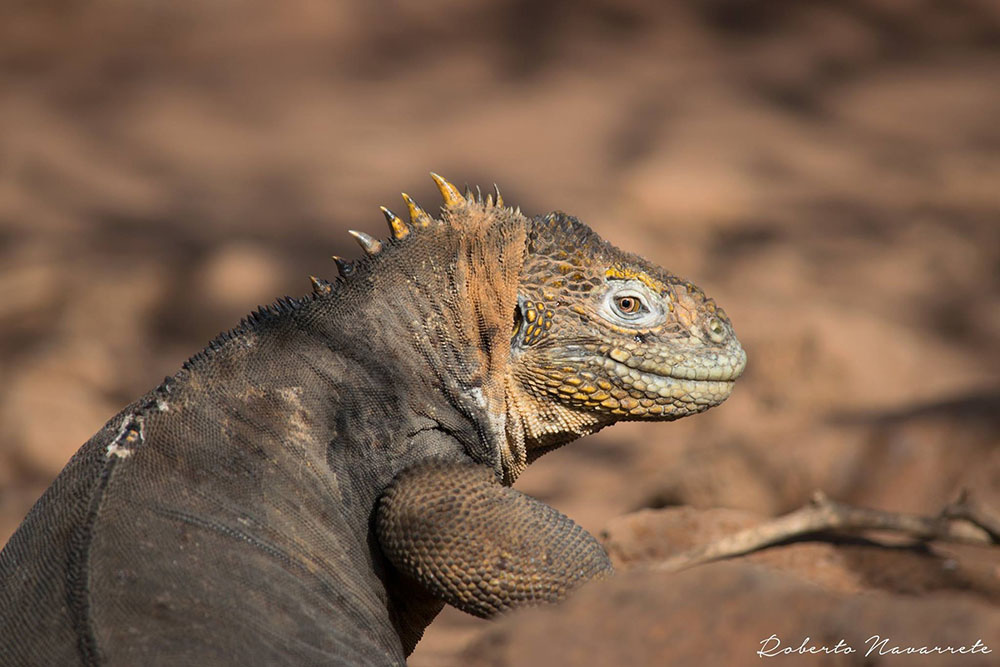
<point x="600" y="336"/>
<point x="566" y="334"/>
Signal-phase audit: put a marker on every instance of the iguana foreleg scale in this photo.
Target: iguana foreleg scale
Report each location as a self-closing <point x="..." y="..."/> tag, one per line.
<point x="481" y="546"/>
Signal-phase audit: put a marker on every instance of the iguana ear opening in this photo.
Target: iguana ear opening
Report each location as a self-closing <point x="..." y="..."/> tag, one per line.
<point x="518" y="322"/>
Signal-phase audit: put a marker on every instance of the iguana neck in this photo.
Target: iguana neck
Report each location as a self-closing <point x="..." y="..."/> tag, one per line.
<point x="417" y="335"/>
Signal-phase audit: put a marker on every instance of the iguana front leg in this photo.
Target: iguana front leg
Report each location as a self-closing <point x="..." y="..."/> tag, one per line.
<point x="481" y="546"/>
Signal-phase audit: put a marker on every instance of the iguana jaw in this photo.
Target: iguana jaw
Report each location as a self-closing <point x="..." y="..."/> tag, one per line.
<point x="664" y="387"/>
<point x="633" y="380"/>
<point x="651" y="395"/>
<point x="552" y="407"/>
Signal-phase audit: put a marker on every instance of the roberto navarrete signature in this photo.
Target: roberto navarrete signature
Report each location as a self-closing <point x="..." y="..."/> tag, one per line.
<point x="874" y="645"/>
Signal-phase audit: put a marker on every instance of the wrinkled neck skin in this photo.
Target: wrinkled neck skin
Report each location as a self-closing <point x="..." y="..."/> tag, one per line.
<point x="536" y="427"/>
<point x="440" y="308"/>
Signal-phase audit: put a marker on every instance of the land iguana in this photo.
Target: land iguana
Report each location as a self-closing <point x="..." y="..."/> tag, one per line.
<point x="315" y="484"/>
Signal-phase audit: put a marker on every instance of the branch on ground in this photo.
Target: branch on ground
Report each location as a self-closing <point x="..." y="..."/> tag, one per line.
<point x="962" y="521"/>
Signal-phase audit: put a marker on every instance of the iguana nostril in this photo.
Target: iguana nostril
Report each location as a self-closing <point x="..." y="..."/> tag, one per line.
<point x="716" y="330"/>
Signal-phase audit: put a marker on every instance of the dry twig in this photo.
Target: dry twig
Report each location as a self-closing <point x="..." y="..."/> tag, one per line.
<point x="962" y="521"/>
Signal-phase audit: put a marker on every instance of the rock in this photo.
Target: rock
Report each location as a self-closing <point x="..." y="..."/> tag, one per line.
<point x="724" y="613"/>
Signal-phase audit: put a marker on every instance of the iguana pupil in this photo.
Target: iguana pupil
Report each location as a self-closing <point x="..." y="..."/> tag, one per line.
<point x="628" y="304"/>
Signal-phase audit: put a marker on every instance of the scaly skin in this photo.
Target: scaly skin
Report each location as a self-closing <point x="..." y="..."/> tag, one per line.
<point x="598" y="336"/>
<point x="317" y="483"/>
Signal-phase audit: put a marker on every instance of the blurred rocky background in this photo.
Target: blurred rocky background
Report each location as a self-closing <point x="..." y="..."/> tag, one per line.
<point x="828" y="170"/>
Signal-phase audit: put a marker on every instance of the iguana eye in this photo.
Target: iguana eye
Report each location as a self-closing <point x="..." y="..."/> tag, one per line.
<point x="629" y="305"/>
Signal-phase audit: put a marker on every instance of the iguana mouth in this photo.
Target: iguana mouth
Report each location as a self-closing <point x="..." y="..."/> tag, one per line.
<point x="726" y="366"/>
<point x="667" y="384"/>
<point x="613" y="387"/>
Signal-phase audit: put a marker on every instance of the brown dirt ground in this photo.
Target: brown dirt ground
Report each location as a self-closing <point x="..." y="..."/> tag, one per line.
<point x="829" y="172"/>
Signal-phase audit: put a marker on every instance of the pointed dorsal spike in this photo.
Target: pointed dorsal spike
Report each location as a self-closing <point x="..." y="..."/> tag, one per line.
<point x="469" y="197"/>
<point x="499" y="201"/>
<point x="367" y="243"/>
<point x="320" y="286"/>
<point x="452" y="197"/>
<point x="479" y="195"/>
<point x="489" y="200"/>
<point x="396" y="225"/>
<point x="343" y="266"/>
<point x="418" y="216"/>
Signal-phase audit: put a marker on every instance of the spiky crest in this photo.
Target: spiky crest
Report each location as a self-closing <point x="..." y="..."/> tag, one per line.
<point x="320" y="286"/>
<point x="281" y="306"/>
<point x="418" y="216"/>
<point x="343" y="266"/>
<point x="368" y="244"/>
<point x="452" y="214"/>
<point x="452" y="197"/>
<point x="397" y="227"/>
